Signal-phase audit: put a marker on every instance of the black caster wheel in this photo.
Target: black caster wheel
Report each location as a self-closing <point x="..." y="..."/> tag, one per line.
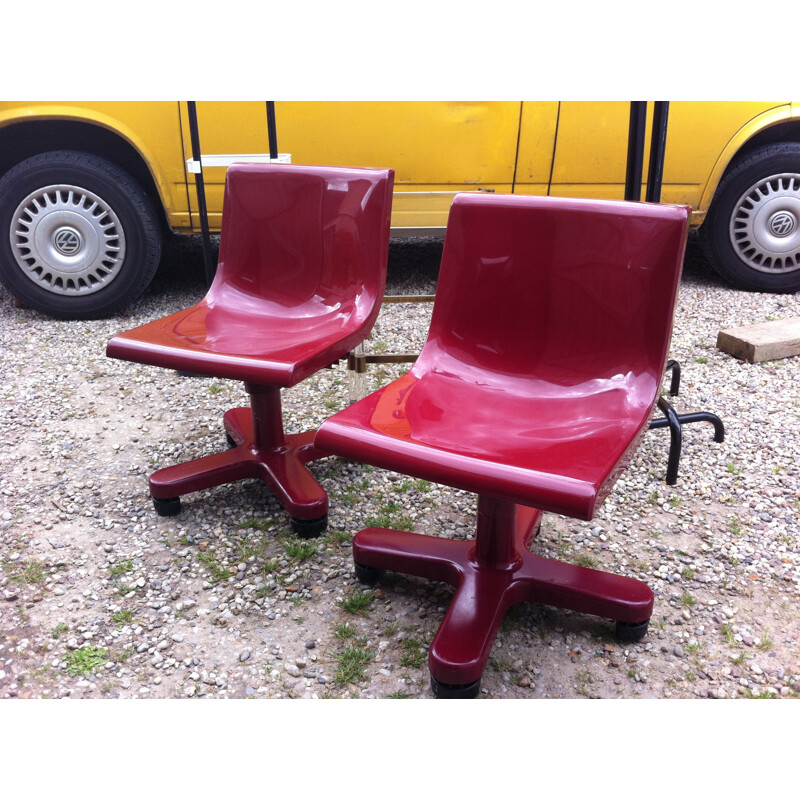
<point x="309" y="528"/>
<point x="631" y="631"/>
<point x="167" y="507"/>
<point x="230" y="440"/>
<point x="455" y="691"/>
<point x="366" y="575"/>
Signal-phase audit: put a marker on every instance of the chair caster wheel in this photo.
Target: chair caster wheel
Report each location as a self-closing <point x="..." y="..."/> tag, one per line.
<point x="167" y="507"/>
<point x="309" y="528"/>
<point x="451" y="691"/>
<point x="366" y="575"/>
<point x="631" y="631"/>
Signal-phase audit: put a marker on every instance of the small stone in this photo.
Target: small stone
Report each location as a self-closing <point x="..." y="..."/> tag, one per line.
<point x="293" y="670"/>
<point x="244" y="655"/>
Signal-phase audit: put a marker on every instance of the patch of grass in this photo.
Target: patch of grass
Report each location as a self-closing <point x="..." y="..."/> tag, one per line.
<point x="583" y="679"/>
<point x="727" y="631"/>
<point x="357" y="602"/>
<point x="338" y="537"/>
<point x="733" y="468"/>
<point x="218" y="572"/>
<point x="584" y="560"/>
<point x="351" y="664"/>
<point x="344" y="630"/>
<point x="215" y="388"/>
<point x="32" y="571"/>
<point x="686" y="599"/>
<point x="422" y="485"/>
<point x="701" y="360"/>
<point x="85" y="659"/>
<point x="120" y="568"/>
<point x="252" y="522"/>
<point x="414" y="653"/>
<point x="688" y="572"/>
<point x="122" y="617"/>
<point x="62" y="627"/>
<point x="299" y="550"/>
<point x="401" y="694"/>
<point x="766" y="640"/>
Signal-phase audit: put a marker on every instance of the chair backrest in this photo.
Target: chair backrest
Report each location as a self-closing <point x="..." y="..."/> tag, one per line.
<point x="557" y="289"/>
<point x="304" y="241"/>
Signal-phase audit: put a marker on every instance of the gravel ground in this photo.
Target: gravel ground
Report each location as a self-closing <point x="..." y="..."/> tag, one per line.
<point x="100" y="597"/>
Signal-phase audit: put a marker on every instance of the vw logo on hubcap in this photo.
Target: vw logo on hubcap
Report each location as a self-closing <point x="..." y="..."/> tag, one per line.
<point x="67" y="241"/>
<point x="783" y="223"/>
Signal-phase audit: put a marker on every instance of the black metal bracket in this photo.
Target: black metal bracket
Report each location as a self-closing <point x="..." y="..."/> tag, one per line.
<point x="674" y="421"/>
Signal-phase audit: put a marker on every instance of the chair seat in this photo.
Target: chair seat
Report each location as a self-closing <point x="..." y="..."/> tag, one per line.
<point x="224" y="342"/>
<point x="553" y="447"/>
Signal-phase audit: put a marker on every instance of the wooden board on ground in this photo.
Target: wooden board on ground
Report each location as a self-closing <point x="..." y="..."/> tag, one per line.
<point x="762" y="342"/>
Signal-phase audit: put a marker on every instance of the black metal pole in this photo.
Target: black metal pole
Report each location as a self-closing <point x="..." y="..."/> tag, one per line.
<point x="658" y="143"/>
<point x="272" y="131"/>
<point x="636" y="130"/>
<point x="194" y="134"/>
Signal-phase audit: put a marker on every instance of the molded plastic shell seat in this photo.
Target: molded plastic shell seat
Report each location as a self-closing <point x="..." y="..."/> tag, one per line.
<point x="301" y="275"/>
<point x="542" y="366"/>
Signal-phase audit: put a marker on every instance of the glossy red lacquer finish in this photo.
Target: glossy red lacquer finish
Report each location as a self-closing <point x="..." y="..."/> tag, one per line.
<point x="542" y="366"/>
<point x="301" y="277"/>
<point x="545" y="353"/>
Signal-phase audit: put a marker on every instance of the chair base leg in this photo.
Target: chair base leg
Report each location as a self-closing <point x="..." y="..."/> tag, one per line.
<point x="489" y="578"/>
<point x="279" y="460"/>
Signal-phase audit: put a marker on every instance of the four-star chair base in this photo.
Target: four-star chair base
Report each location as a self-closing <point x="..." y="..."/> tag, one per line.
<point x="259" y="449"/>
<point x="491" y="573"/>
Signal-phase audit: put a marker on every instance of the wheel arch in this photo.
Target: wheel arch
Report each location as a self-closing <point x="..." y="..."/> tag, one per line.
<point x="774" y="126"/>
<point x="22" y="139"/>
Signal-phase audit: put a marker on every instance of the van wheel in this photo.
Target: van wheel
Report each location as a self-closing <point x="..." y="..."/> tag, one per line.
<point x="78" y="236"/>
<point x="752" y="232"/>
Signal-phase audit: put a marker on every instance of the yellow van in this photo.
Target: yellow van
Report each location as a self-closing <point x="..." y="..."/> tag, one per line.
<point x="88" y="189"/>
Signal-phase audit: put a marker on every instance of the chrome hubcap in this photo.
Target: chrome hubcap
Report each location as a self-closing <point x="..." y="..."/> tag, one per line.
<point x="765" y="227"/>
<point x="67" y="240"/>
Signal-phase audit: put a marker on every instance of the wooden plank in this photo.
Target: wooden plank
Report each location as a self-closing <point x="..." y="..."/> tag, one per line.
<point x="762" y="342"/>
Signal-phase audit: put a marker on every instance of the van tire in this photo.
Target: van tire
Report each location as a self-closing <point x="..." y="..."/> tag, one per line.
<point x="752" y="233"/>
<point x="79" y="238"/>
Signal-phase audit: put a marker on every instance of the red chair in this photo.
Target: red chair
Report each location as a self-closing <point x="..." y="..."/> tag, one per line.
<point x="301" y="276"/>
<point x="541" y="369"/>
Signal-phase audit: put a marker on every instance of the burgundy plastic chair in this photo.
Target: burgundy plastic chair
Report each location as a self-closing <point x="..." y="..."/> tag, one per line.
<point x="541" y="369"/>
<point x="301" y="276"/>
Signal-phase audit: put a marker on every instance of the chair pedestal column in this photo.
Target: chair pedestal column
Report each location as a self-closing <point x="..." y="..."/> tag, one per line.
<point x="491" y="573"/>
<point x="262" y="450"/>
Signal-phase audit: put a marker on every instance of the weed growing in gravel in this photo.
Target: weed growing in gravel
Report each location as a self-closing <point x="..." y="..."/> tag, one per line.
<point x="584" y="560"/>
<point x="583" y="679"/>
<point x="252" y="522"/>
<point x="121" y="568"/>
<point x="351" y="664"/>
<point x="122" y="617"/>
<point x="338" y="537"/>
<point x="85" y="659"/>
<point x="398" y="695"/>
<point x="727" y="631"/>
<point x="357" y="602"/>
<point x="299" y="550"/>
<point x="766" y="641"/>
<point x="686" y="599"/>
<point x="733" y="468"/>
<point x="344" y="630"/>
<point x="62" y="627"/>
<point x="31" y="572"/>
<point x="414" y="653"/>
<point x="218" y="572"/>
